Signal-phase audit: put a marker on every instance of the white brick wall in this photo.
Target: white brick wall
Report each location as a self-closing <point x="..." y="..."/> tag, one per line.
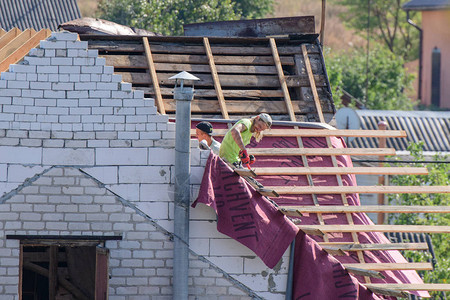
<point x="62" y="106"/>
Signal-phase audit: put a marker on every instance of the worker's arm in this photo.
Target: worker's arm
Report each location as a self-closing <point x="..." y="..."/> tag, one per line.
<point x="236" y="134"/>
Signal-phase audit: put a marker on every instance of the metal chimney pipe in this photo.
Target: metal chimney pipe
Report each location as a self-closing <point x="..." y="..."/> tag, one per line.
<point x="183" y="96"/>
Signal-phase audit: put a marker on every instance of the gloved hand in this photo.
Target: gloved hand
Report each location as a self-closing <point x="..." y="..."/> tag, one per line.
<point x="243" y="155"/>
<point x="252" y="159"/>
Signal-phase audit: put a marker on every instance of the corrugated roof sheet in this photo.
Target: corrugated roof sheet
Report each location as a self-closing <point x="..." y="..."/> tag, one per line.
<point x="433" y="128"/>
<point x="427" y="5"/>
<point x="37" y="14"/>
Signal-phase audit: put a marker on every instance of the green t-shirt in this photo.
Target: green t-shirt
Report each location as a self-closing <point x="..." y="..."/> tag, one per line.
<point x="229" y="150"/>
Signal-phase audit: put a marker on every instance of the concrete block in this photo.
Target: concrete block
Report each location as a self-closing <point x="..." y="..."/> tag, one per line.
<point x="23" y="155"/>
<point x="41" y="61"/>
<point x="85" y="86"/>
<point x="144" y="174"/>
<point x="161" y="156"/>
<point x="39" y="86"/>
<point x="128" y="192"/>
<point x="115" y="157"/>
<point x="156" y="210"/>
<point x="61" y="53"/>
<point x="64" y="36"/>
<point x="63" y="86"/>
<point x="84" y="61"/>
<point x="89" y="102"/>
<point x="229" y="247"/>
<point x="16" y="68"/>
<point x="77" y="45"/>
<point x="106" y="175"/>
<point x="67" y="70"/>
<point x="92" y="69"/>
<point x="47" y="69"/>
<point x="157" y="192"/>
<point x="15" y="84"/>
<point x="53" y="156"/>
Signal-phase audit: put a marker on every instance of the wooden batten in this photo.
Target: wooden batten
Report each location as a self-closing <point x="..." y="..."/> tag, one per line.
<point x="292" y="210"/>
<point x="341" y="170"/>
<point x="320" y="151"/>
<point x="289" y="132"/>
<point x="9" y="36"/>
<point x="392" y="266"/>
<point x="375" y="247"/>
<point x="377" y="189"/>
<point x="411" y="286"/>
<point x="314" y="229"/>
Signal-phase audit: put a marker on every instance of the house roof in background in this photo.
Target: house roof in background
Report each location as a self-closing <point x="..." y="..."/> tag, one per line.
<point x="37" y="14"/>
<point x="431" y="127"/>
<point x="427" y="5"/>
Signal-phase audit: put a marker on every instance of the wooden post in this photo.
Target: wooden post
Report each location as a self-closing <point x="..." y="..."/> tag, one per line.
<point x="53" y="273"/>
<point x="382" y="125"/>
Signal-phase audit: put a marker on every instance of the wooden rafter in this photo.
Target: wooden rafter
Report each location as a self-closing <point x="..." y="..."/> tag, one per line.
<point x="154" y="77"/>
<point x="16" y="53"/>
<point x="392" y="266"/>
<point x="215" y="77"/>
<point x="282" y="79"/>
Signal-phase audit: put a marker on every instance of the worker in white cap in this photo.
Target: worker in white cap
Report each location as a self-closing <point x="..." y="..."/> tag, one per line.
<point x="233" y="144"/>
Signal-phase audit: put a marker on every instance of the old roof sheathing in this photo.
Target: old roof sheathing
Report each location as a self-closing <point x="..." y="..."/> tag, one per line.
<point x="239" y="76"/>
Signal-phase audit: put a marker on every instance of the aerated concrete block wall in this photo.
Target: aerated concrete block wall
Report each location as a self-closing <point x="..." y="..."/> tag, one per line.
<point x="81" y="153"/>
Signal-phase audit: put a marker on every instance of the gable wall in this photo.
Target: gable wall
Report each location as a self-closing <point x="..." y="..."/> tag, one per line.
<point x="63" y="107"/>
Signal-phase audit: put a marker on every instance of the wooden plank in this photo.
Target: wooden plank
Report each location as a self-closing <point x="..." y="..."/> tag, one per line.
<point x="291" y="210"/>
<point x="392" y="266"/>
<point x="313" y="84"/>
<point x="237" y="93"/>
<point x="9" y="36"/>
<point x="292" y="190"/>
<point x="363" y="272"/>
<point x="320" y="151"/>
<point x="154" y="77"/>
<point x="340" y="170"/>
<point x="245" y="172"/>
<point x="338" y="132"/>
<point x="222" y="69"/>
<point x="233" y="106"/>
<point x="375" y="228"/>
<point x="253" y="28"/>
<point x="377" y="247"/>
<point x="2" y="32"/>
<point x="282" y="79"/>
<point x="127" y="61"/>
<point x="24" y="49"/>
<point x="388" y="292"/>
<point x="439" y="287"/>
<point x="241" y="48"/>
<point x="288" y="132"/>
<point x="215" y="76"/>
<point x="226" y="80"/>
<point x="18" y="41"/>
<point x="53" y="272"/>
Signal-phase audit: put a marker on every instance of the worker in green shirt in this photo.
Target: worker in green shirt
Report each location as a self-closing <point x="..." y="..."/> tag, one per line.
<point x="233" y="144"/>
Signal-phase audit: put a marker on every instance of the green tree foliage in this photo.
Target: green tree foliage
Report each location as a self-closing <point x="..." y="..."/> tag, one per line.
<point x="388" y="24"/>
<point x="387" y="80"/>
<point x="439" y="174"/>
<point x="168" y="16"/>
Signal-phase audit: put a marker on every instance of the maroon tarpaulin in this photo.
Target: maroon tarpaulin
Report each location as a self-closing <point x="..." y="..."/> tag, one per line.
<point x="318" y="275"/>
<point x="251" y="219"/>
<point x="243" y="214"/>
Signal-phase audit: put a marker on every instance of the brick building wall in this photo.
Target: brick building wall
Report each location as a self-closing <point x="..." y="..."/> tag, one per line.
<point x="81" y="153"/>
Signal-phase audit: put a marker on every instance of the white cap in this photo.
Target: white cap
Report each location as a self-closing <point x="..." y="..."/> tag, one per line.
<point x="266" y="119"/>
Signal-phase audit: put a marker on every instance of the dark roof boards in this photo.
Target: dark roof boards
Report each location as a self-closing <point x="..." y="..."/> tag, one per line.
<point x="37" y="14"/>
